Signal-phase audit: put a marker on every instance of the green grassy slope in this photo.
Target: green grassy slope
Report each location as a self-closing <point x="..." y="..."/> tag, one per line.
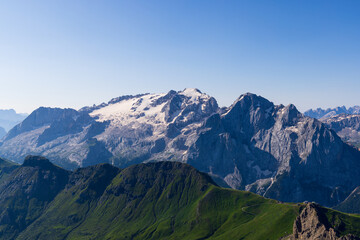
<point x="70" y="208"/>
<point x="343" y="223"/>
<point x="6" y="167"/>
<point x="162" y="201"/>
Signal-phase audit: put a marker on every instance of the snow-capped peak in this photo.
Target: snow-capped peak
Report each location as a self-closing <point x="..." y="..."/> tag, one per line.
<point x="158" y="110"/>
<point x="194" y="94"/>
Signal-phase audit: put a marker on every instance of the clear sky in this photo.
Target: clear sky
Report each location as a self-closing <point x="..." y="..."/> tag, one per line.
<point x="76" y="53"/>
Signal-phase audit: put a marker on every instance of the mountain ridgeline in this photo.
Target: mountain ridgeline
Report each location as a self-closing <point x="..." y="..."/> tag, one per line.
<point x="320" y="113"/>
<point x="271" y="150"/>
<point x="159" y="200"/>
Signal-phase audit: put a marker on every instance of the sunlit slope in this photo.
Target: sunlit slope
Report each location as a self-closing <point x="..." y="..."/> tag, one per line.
<point x="163" y="200"/>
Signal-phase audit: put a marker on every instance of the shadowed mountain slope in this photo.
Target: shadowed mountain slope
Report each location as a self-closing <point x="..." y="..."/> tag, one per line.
<point x="26" y="192"/>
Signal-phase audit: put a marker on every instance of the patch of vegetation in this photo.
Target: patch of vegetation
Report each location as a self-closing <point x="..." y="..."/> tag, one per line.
<point x="343" y="223"/>
<point x="162" y="201"/>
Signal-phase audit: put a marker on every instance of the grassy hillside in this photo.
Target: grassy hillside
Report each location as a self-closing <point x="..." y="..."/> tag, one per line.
<point x="164" y="200"/>
<point x="343" y="223"/>
<point x="160" y="201"/>
<point x="6" y="167"/>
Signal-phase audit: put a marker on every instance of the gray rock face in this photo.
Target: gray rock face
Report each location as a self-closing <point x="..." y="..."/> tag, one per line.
<point x="312" y="224"/>
<point x="52" y="132"/>
<point x="277" y="152"/>
<point x="254" y="145"/>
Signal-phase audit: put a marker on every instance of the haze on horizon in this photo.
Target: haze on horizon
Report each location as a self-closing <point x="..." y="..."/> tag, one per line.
<point x="79" y="53"/>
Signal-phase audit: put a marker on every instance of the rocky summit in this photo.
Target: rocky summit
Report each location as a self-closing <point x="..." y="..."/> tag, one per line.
<point x="315" y="222"/>
<point x="254" y="145"/>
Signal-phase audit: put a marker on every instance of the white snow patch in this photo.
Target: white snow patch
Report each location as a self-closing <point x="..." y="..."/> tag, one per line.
<point x="129" y="110"/>
<point x="194" y="94"/>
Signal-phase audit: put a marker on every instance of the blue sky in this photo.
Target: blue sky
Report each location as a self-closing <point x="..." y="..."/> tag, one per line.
<point x="77" y="53"/>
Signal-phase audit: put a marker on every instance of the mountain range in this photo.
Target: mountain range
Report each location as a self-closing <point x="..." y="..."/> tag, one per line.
<point x="320" y="113"/>
<point x="255" y="145"/>
<point x="162" y="200"/>
<point x="344" y="121"/>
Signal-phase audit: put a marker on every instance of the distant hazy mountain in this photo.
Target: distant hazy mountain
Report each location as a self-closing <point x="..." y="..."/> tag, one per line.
<point x="272" y="150"/>
<point x="163" y="200"/>
<point x="330" y="112"/>
<point x="9" y="118"/>
<point x="2" y="132"/>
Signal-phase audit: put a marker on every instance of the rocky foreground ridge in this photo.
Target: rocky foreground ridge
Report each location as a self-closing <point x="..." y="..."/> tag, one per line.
<point x="313" y="224"/>
<point x="254" y="145"/>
